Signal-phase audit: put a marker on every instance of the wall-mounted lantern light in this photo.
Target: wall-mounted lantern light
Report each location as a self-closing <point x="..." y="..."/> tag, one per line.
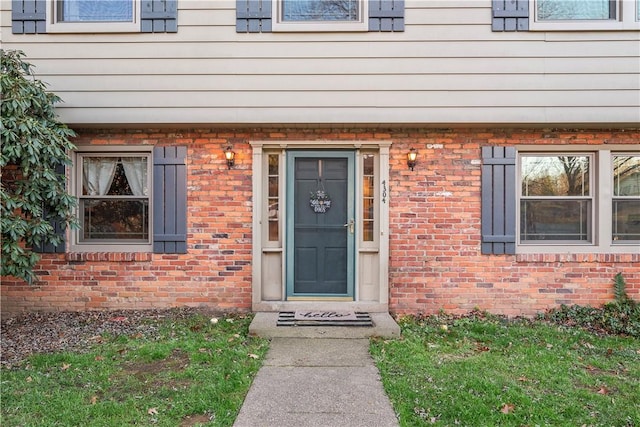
<point x="412" y="155"/>
<point x="230" y="156"/>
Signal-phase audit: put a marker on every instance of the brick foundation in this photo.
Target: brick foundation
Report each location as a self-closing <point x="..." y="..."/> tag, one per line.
<point x="435" y="260"/>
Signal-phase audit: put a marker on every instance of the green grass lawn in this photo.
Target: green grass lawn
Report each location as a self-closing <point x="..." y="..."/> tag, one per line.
<point x="477" y="370"/>
<point x="486" y="371"/>
<point x="193" y="373"/>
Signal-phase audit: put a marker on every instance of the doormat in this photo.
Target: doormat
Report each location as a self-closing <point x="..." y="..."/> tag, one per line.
<point x="323" y="318"/>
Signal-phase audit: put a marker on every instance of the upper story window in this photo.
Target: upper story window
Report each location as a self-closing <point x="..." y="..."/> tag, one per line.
<point x="94" y="16"/>
<point x="320" y="15"/>
<point x="95" y="11"/>
<point x="585" y="14"/>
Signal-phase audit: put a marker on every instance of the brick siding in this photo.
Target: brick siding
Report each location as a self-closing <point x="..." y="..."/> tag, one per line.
<point x="435" y="260"/>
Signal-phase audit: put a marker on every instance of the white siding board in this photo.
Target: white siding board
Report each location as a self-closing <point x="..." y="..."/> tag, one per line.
<point x="345" y="82"/>
<point x="434" y="117"/>
<point x="370" y="98"/>
<point x="318" y="66"/>
<point x="343" y="50"/>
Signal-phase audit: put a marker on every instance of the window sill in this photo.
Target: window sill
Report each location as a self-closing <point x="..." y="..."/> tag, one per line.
<point x="560" y="249"/>
<point x="94" y="27"/>
<point x="579" y="258"/>
<point x="584" y="26"/>
<point x="109" y="256"/>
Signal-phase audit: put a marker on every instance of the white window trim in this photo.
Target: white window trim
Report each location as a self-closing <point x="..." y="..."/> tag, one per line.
<point x="55" y="26"/>
<point x="281" y="196"/>
<point x="76" y="180"/>
<point x="625" y="19"/>
<point x="591" y="197"/>
<point x="278" y="25"/>
<point x="368" y="244"/>
<point x="601" y="178"/>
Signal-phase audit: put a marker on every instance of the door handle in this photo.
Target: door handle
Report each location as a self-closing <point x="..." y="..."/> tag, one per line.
<point x="352" y="226"/>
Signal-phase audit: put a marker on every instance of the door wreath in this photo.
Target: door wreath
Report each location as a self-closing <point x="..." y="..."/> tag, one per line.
<point x="320" y="201"/>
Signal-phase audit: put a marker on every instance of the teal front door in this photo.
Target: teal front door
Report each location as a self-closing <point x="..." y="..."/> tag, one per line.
<point x="320" y="229"/>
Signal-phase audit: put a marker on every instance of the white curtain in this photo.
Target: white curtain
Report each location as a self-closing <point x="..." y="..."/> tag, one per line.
<point x="97" y="174"/>
<point x="135" y="169"/>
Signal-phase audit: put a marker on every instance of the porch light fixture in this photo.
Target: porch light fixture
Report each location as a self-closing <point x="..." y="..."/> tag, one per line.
<point x="230" y="156"/>
<point x="412" y="155"/>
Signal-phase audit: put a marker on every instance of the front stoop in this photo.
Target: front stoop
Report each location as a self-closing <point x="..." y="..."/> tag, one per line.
<point x="264" y="325"/>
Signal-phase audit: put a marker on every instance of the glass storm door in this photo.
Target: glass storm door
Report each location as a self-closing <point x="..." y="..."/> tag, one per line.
<point x="320" y="224"/>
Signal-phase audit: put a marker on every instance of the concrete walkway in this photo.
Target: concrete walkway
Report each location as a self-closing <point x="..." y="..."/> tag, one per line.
<point x="320" y="382"/>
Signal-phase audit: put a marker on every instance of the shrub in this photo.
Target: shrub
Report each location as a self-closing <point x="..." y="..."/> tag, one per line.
<point x="621" y="316"/>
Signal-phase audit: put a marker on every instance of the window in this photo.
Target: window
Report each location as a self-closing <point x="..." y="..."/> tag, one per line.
<point x="94" y="16"/>
<point x="95" y="11"/>
<point x="559" y="10"/>
<point x="113" y="191"/>
<point x="368" y="197"/>
<point x="626" y="198"/>
<point x="555" y="200"/>
<point x="578" y="201"/>
<point x="584" y="15"/>
<point x="320" y="15"/>
<point x="273" y="198"/>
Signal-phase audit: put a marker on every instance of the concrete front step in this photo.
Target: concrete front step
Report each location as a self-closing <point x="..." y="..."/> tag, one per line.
<point x="264" y="325"/>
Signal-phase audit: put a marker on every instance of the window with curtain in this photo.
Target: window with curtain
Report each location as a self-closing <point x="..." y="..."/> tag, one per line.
<point x="114" y="198"/>
<point x="95" y="11"/>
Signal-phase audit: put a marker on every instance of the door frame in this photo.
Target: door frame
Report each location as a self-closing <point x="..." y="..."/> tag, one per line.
<point x="289" y="232"/>
<point x="268" y="263"/>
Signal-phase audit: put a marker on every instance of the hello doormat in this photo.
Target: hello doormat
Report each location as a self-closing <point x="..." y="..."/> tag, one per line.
<point x="323" y="318"/>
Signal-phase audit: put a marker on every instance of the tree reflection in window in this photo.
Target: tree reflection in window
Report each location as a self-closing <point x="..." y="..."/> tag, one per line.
<point x="558" y="10"/>
<point x="555" y="199"/>
<point x="626" y="198"/>
<point x="320" y="10"/>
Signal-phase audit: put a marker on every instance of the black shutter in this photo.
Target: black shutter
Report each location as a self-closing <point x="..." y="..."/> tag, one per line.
<point x="498" y="200"/>
<point x="58" y="225"/>
<point x="159" y="16"/>
<point x="510" y="15"/>
<point x="253" y="16"/>
<point x="386" y="15"/>
<point x="170" y="200"/>
<point x="28" y="16"/>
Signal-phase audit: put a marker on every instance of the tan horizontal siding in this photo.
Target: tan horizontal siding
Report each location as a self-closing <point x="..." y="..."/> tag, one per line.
<point x="369" y="98"/>
<point x="336" y="115"/>
<point x="388" y="50"/>
<point x="319" y="66"/>
<point x="447" y="67"/>
<point x="347" y="82"/>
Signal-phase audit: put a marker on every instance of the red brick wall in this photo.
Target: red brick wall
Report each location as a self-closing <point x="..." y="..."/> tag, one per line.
<point x="435" y="233"/>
